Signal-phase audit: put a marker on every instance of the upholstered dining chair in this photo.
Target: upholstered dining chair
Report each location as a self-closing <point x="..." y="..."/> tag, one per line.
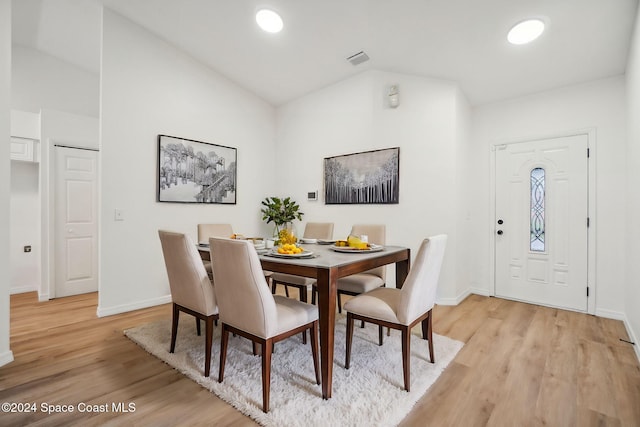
<point x="248" y="309"/>
<point x="360" y="283"/>
<point x="191" y="289"/>
<point x="313" y="230"/>
<point x="403" y="308"/>
<point x="205" y="231"/>
<point x="212" y="230"/>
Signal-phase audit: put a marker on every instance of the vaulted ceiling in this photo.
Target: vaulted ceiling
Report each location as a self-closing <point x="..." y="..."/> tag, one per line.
<point x="463" y="41"/>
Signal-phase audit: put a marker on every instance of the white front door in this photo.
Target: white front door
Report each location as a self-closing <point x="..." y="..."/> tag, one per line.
<point x="541" y="222"/>
<point x="76" y="222"/>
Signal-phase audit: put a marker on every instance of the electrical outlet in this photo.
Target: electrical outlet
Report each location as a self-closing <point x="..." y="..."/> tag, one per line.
<point x="27" y="248"/>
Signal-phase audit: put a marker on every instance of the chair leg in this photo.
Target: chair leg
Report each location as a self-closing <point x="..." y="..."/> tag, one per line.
<point x="379" y="334"/>
<point x="313" y="295"/>
<point x="314" y="349"/>
<point x="429" y="335"/>
<point x="303" y="298"/>
<point x="208" y="343"/>
<point x="274" y="286"/>
<point x="406" y="354"/>
<point x="198" y="326"/>
<point x="266" y="373"/>
<point x="347" y="358"/>
<point x="174" y="327"/>
<point x="224" y="338"/>
<point x="286" y="291"/>
<point x="339" y="303"/>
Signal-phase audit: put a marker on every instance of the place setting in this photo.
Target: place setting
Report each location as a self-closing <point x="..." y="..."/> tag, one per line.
<point x="355" y="244"/>
<point x="289" y="250"/>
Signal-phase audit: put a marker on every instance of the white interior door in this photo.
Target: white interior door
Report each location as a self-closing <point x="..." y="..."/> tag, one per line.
<point x="76" y="222"/>
<point x="541" y="222"/>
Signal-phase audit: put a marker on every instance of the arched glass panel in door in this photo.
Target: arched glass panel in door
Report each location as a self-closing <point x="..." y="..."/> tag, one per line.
<point x="537" y="210"/>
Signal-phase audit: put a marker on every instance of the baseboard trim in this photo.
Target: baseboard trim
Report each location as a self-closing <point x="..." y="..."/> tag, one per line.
<point x="6" y="357"/>
<point x="610" y="314"/>
<point x="632" y="337"/>
<point x="22" y="289"/>
<point x="124" y="308"/>
<point x="457" y="300"/>
<point x="480" y="291"/>
<point x="43" y="297"/>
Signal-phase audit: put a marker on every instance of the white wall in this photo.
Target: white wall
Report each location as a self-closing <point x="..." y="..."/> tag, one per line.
<point x="150" y="88"/>
<point x="25" y="208"/>
<point x="632" y="288"/>
<point x="25" y="226"/>
<point x="41" y="81"/>
<point x="352" y="116"/>
<point x="5" y="95"/>
<point x="599" y="105"/>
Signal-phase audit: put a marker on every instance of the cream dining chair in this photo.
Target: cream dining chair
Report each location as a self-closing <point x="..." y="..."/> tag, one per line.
<point x="403" y="308"/>
<point x="313" y="230"/>
<point x="248" y="309"/>
<point x="191" y="289"/>
<point x="371" y="279"/>
<point x="205" y="231"/>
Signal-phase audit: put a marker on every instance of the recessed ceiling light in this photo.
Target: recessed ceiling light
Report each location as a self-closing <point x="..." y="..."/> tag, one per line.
<point x="269" y="21"/>
<point x="526" y="31"/>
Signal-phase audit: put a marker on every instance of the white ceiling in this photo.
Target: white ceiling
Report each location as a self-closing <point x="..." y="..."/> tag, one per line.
<point x="463" y="41"/>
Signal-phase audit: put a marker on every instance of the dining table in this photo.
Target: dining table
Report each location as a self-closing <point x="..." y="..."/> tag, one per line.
<point x="326" y="265"/>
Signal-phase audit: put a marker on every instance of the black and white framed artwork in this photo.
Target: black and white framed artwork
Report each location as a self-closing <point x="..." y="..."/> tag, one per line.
<point x="370" y="177"/>
<point x="196" y="172"/>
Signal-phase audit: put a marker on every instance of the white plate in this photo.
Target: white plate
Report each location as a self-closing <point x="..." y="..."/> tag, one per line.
<point x="349" y="250"/>
<point x="304" y="240"/>
<point x="325" y="242"/>
<point x="303" y="254"/>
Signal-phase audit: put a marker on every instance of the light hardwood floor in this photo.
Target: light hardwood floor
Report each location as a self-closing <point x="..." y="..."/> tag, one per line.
<point x="522" y="365"/>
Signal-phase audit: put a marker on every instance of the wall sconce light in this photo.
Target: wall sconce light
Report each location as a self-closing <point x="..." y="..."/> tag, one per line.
<point x="394" y="99"/>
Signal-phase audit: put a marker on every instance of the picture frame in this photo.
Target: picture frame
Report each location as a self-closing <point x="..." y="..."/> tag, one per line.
<point x="191" y="171"/>
<point x="369" y="177"/>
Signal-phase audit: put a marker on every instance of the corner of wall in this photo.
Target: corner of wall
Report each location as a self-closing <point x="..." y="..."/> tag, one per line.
<point x="6" y="356"/>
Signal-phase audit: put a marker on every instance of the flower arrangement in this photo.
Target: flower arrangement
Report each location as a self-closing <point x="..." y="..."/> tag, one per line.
<point x="280" y="212"/>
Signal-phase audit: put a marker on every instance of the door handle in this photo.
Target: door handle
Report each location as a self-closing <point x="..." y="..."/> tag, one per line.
<point x="500" y="232"/>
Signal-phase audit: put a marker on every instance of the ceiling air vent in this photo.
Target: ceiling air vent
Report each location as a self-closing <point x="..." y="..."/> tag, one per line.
<point x="358" y="58"/>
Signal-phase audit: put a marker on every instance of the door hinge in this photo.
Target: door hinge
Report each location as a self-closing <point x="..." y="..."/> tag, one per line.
<point x="588" y="152"/>
<point x="587" y="291"/>
<point x="588" y="222"/>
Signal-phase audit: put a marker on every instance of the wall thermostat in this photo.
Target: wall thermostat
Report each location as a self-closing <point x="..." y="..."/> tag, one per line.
<point x="312" y="195"/>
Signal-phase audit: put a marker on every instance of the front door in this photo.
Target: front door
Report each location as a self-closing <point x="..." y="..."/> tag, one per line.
<point x="541" y="222"/>
<point x="76" y="221"/>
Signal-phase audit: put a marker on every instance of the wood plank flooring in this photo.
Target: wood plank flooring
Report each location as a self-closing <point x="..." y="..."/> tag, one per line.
<point x="522" y="365"/>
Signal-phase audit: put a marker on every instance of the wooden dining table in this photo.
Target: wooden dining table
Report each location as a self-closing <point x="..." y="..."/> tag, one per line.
<point x="327" y="266"/>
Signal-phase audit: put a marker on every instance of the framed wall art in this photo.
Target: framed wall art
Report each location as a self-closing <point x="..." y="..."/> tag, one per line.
<point x="370" y="177"/>
<point x="196" y="172"/>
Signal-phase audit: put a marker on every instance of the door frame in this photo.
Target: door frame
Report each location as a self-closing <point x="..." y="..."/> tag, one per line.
<point x="53" y="288"/>
<point x="74" y="130"/>
<point x="590" y="133"/>
<point x="47" y="206"/>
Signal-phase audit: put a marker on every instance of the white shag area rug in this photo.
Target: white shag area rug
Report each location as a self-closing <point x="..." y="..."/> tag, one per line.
<point x="369" y="393"/>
